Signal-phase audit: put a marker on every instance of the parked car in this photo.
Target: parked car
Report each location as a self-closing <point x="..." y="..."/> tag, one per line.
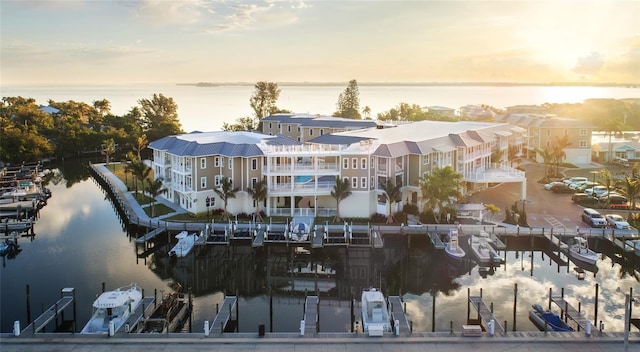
<point x="574" y="180"/>
<point x="577" y="184"/>
<point x="593" y="218"/>
<point x="577" y="197"/>
<point x="617" y="222"/>
<point x="617" y="199"/>
<point x="606" y="195"/>
<point x="596" y="190"/>
<point x="549" y="185"/>
<point x="586" y="185"/>
<point x="561" y="189"/>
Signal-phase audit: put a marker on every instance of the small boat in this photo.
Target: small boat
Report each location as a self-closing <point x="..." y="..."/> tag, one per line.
<point x="579" y="250"/>
<point x="375" y="315"/>
<point x="452" y="247"/>
<point x="483" y="251"/>
<point x="113" y="307"/>
<point x="168" y="316"/>
<point x="9" y="246"/>
<point x="541" y="317"/>
<point x="185" y="244"/>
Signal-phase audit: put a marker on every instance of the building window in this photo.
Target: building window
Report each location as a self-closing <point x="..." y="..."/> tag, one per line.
<point x="583" y="144"/>
<point x="345" y="163"/>
<point x="425" y="160"/>
<point x="363" y="163"/>
<point x="363" y="182"/>
<point x="254" y="164"/>
<point x="231" y="163"/>
<point x="583" y="132"/>
<point x="269" y="124"/>
<point x="298" y="129"/>
<point x="289" y="128"/>
<point x="254" y="180"/>
<point x="216" y="161"/>
<point x="372" y="163"/>
<point x="203" y="182"/>
<point x="371" y="183"/>
<point x="354" y="182"/>
<point x="321" y="132"/>
<point x="216" y="180"/>
<point x="203" y="163"/>
<point x="354" y="163"/>
<point x="311" y="131"/>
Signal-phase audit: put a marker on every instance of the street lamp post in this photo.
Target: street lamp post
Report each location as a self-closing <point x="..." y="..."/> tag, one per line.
<point x="208" y="204"/>
<point x="594" y="182"/>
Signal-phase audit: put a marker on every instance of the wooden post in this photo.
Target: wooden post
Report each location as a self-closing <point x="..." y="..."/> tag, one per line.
<point x="237" y="310"/>
<point x="28" y="306"/>
<point x="433" y="312"/>
<point x="595" y="317"/>
<point x="468" y="302"/>
<point x="271" y="309"/>
<point x="515" y="305"/>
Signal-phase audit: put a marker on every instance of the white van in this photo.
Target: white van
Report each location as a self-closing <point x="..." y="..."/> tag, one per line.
<point x="620" y="161"/>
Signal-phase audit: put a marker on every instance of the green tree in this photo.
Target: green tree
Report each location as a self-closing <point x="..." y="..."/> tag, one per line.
<point x="611" y="126"/>
<point x="440" y="187"/>
<point x="226" y="192"/>
<point x="264" y="99"/>
<point x="259" y="194"/>
<point x="154" y="189"/>
<point x="607" y="180"/>
<point x="109" y="149"/>
<point x="140" y="145"/>
<point x="630" y="187"/>
<point x="246" y="123"/>
<point x="159" y="117"/>
<point x="140" y="173"/>
<point x="557" y="151"/>
<point x="102" y="106"/>
<point x="349" y="102"/>
<point x="341" y="190"/>
<point x="392" y="195"/>
<point x="366" y="112"/>
<point x="492" y="208"/>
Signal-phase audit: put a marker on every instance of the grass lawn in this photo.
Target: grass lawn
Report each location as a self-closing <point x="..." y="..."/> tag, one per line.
<point x="160" y="209"/>
<point x="126" y="177"/>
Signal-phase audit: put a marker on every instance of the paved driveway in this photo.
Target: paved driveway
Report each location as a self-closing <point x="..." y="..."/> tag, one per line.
<point x="544" y="208"/>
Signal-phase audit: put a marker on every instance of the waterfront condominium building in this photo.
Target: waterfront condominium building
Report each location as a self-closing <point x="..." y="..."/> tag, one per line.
<point x="300" y="176"/>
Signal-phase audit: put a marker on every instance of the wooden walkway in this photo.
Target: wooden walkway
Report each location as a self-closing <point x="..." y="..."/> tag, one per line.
<point x="66" y="299"/>
<point x="311" y="316"/>
<point x="224" y="315"/>
<point x="137" y="315"/>
<point x="485" y="313"/>
<point x="150" y="235"/>
<point x="316" y="237"/>
<point x="396" y="309"/>
<point x="435" y="240"/>
<point x="377" y="239"/>
<point x="258" y="241"/>
<point x="569" y="311"/>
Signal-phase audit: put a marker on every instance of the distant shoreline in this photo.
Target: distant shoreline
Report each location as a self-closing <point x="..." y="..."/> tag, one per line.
<point x="419" y="84"/>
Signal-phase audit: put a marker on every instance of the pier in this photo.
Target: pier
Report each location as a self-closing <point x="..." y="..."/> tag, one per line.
<point x="138" y="314"/>
<point x="150" y="235"/>
<point x="310" y="316"/>
<point x="568" y="310"/>
<point x="435" y="240"/>
<point x="398" y="315"/>
<point x="67" y="298"/>
<point x="224" y="315"/>
<point x="485" y="313"/>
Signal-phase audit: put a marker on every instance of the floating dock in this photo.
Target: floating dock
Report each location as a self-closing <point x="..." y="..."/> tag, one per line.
<point x="396" y="308"/>
<point x="150" y="235"/>
<point x="224" y="315"/>
<point x="485" y="313"/>
<point x="146" y="306"/>
<point x="435" y="240"/>
<point x="67" y="298"/>
<point x="569" y="311"/>
<point x="311" y="316"/>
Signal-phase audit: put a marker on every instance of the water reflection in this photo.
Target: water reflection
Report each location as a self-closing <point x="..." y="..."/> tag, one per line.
<point x="80" y="243"/>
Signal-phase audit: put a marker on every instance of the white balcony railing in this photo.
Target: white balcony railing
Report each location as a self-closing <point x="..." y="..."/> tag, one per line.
<point x="305" y="167"/>
<point x="301" y="187"/>
<point x="494" y="173"/>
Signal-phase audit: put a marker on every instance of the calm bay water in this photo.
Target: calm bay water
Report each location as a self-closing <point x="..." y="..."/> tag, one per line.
<point x="206" y="108"/>
<point x="81" y="243"/>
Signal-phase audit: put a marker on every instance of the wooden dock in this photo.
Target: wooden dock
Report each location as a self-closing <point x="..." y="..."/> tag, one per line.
<point x="569" y="311"/>
<point x="316" y="237"/>
<point x="311" y="316"/>
<point x="224" y="315"/>
<point x="146" y="306"/>
<point x="67" y="297"/>
<point x="258" y="241"/>
<point x="376" y="240"/>
<point x="396" y="309"/>
<point x="485" y="313"/>
<point x="435" y="240"/>
<point x="150" y="235"/>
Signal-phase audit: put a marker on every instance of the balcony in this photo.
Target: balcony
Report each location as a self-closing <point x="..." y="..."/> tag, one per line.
<point x="298" y="188"/>
<point x="494" y="174"/>
<point x="306" y="168"/>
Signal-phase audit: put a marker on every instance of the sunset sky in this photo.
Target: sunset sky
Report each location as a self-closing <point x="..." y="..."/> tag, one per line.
<point x="171" y="41"/>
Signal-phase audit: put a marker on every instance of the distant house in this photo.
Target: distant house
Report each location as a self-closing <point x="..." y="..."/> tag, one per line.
<point x="49" y="110"/>
<point x="441" y="110"/>
<point x="476" y="112"/>
<point x="526" y="109"/>
<point x="304" y="127"/>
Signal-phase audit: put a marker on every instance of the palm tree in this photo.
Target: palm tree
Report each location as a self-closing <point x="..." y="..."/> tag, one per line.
<point x="392" y="194"/>
<point x="226" y="192"/>
<point x="155" y="188"/>
<point x="440" y="187"/>
<point x="547" y="158"/>
<point x="341" y="190"/>
<point x="611" y="126"/>
<point x="557" y="151"/>
<point x="366" y="112"/>
<point x="259" y="194"/>
<point x="630" y="187"/>
<point x="607" y="179"/>
<point x="109" y="149"/>
<point x="492" y="208"/>
<point x="141" y="143"/>
<point x="140" y="172"/>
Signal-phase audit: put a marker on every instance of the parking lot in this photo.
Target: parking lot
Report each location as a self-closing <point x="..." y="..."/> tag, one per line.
<point x="544" y="208"/>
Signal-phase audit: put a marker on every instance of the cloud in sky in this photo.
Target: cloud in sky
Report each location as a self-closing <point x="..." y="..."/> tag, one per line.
<point x="161" y="41"/>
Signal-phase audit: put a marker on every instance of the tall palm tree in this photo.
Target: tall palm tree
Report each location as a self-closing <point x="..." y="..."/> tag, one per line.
<point x="366" y="112"/>
<point x="547" y="159"/>
<point x="611" y="126"/>
<point x="630" y="187"/>
<point x="109" y="149"/>
<point x="440" y="187"/>
<point x="607" y="179"/>
<point x="557" y="151"/>
<point x="141" y="143"/>
<point x="140" y="172"/>
<point x="155" y="188"/>
<point x="226" y="192"/>
<point x="341" y="190"/>
<point x="259" y="194"/>
<point x="392" y="194"/>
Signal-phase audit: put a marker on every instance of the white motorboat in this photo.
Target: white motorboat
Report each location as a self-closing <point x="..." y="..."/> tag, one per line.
<point x="483" y="251"/>
<point x="113" y="307"/>
<point x="185" y="244"/>
<point x="580" y="250"/>
<point x="452" y="247"/>
<point x="375" y="315"/>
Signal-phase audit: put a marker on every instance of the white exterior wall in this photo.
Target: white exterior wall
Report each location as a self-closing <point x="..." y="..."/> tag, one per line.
<point x="578" y="156"/>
